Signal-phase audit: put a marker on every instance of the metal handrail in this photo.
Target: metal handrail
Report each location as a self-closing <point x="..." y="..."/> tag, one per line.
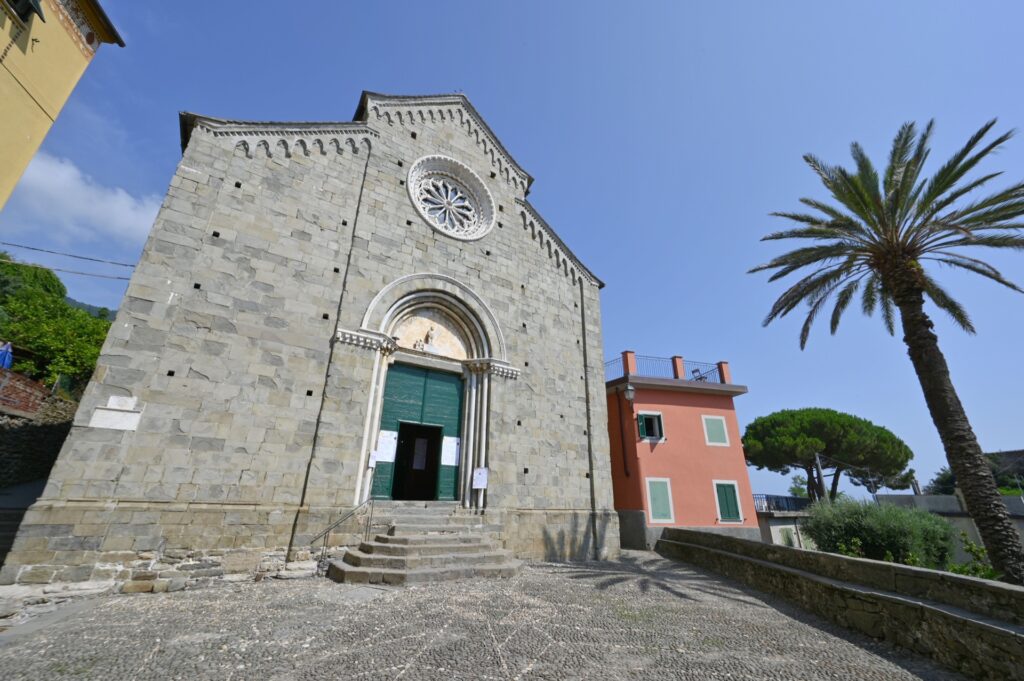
<point x="326" y="534"/>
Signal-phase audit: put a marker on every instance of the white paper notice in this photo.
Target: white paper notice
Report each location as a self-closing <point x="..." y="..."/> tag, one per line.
<point x="387" y="443"/>
<point x="450" y="451"/>
<point x="479" y="478"/>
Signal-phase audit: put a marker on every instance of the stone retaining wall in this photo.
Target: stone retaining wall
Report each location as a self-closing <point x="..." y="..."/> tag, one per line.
<point x="971" y="625"/>
<point x="30" y="442"/>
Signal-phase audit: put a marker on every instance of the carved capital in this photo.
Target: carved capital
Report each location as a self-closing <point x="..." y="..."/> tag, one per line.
<point x="371" y="340"/>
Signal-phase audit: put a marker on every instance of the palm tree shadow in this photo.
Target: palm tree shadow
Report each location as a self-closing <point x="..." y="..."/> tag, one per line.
<point x="648" y="571"/>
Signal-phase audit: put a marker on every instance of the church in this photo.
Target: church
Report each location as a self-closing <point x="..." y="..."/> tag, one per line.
<point x="326" y="313"/>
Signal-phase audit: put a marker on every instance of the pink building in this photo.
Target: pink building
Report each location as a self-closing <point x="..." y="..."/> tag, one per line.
<point x="676" y="455"/>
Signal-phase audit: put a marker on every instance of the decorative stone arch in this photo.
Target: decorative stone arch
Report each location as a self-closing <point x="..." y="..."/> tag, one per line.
<point x="463" y="303"/>
<point x="469" y="326"/>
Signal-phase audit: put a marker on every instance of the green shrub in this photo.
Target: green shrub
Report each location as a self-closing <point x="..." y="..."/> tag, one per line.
<point x="881" y="532"/>
<point x="979" y="565"/>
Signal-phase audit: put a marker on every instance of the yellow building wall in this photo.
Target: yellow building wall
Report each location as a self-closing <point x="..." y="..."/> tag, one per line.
<point x="40" y="64"/>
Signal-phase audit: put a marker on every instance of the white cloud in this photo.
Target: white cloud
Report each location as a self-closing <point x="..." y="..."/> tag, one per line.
<point x="54" y="194"/>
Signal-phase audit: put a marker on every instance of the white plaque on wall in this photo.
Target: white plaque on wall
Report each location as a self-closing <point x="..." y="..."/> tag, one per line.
<point x="387" y="443"/>
<point x="450" y="451"/>
<point x="479" y="478"/>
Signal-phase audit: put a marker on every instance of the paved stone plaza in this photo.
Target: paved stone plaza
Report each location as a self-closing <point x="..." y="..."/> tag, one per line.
<point x="637" y="618"/>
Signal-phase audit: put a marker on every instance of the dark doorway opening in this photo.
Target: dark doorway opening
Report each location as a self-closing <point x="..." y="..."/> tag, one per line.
<point x="417" y="461"/>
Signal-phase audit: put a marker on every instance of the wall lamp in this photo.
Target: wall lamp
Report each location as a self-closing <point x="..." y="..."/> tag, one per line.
<point x="629" y="393"/>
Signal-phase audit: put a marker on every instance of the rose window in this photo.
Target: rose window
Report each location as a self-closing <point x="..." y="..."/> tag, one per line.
<point x="447" y="205"/>
<point x="451" y="198"/>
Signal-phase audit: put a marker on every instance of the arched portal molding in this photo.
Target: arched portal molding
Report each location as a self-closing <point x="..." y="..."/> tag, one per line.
<point x="460" y="302"/>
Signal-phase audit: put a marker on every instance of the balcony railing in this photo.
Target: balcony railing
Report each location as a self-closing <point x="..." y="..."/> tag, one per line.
<point x="764" y="503"/>
<point x="665" y="367"/>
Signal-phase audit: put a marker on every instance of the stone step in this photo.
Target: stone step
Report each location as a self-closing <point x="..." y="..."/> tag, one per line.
<point x="419" y="539"/>
<point x="340" y="571"/>
<point x="442" y="546"/>
<point x="401" y="529"/>
<point x="419" y="561"/>
<point x="436" y="520"/>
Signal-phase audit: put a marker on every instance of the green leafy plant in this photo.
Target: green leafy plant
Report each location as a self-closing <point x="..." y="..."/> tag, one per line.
<point x="978" y="565"/>
<point x="880" y="532"/>
<point x="788" y="539"/>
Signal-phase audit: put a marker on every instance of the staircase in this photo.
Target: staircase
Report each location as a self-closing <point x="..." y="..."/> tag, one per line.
<point x="425" y="541"/>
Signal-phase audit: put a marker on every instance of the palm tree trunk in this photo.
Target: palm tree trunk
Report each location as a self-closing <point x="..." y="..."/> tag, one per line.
<point x="968" y="463"/>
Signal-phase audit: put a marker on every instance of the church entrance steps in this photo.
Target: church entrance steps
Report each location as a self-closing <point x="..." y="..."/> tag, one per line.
<point x="342" y="572"/>
<point x="426" y="542"/>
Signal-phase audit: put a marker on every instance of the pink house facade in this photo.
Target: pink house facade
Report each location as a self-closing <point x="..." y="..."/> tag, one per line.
<point x="676" y="456"/>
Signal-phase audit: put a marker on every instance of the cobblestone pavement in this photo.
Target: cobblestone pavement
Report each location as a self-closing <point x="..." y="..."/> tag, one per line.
<point x="642" y="617"/>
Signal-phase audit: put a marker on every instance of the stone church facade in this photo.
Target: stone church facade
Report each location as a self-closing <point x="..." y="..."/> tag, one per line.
<point x="325" y="312"/>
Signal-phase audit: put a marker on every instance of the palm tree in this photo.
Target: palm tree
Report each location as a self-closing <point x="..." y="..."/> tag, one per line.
<point x="878" y="240"/>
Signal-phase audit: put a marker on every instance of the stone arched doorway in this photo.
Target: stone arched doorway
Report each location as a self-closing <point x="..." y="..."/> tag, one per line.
<point x="428" y="408"/>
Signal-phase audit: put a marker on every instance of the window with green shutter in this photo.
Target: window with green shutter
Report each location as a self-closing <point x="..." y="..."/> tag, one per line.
<point x="659" y="500"/>
<point x="728" y="502"/>
<point x="715" y="433"/>
<point x="649" y="425"/>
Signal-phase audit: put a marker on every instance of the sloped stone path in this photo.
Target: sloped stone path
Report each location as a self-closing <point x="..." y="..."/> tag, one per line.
<point x="639" y="618"/>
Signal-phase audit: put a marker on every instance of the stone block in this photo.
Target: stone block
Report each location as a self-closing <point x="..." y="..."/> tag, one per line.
<point x="137" y="587"/>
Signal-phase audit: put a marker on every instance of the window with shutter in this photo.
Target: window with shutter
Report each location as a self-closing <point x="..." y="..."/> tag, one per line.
<point x="650" y="427"/>
<point x="728" y="502"/>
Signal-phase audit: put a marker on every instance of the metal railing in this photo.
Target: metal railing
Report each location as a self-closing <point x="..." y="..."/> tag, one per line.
<point x="654" y="367"/>
<point x="662" y="367"/>
<point x="321" y="565"/>
<point x="764" y="503"/>
<point x="703" y="372"/>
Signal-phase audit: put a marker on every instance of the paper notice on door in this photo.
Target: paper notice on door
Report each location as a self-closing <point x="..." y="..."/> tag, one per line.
<point x="419" y="454"/>
<point x="387" y="443"/>
<point x="450" y="451"/>
<point x="479" y="478"/>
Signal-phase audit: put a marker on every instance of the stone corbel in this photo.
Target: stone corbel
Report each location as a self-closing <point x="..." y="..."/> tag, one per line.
<point x="364" y="338"/>
<point x="494" y="367"/>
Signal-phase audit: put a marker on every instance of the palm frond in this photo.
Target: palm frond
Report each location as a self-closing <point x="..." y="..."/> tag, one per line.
<point x="888" y="310"/>
<point x="869" y="299"/>
<point x="959" y="164"/>
<point x="842" y="302"/>
<point x="978" y="267"/>
<point x="945" y="302"/>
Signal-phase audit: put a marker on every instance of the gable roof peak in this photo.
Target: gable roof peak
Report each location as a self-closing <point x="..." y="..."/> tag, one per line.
<point x="397" y="109"/>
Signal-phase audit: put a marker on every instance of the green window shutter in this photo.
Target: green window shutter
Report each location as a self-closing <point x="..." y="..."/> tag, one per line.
<point x="659" y="500"/>
<point x="642" y="425"/>
<point x="715" y="430"/>
<point x="728" y="504"/>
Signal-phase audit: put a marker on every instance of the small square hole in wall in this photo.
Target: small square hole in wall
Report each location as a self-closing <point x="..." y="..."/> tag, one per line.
<point x="171" y="372"/>
<point x="501" y="226"/>
<point x="487" y="252"/>
<point x="519" y="423"/>
<point x="344" y="223"/>
<point x="401" y="182"/>
<point x="493" y="174"/>
<point x="216" y="234"/>
<point x="588" y="474"/>
<point x="197" y="286"/>
<point x="238" y="185"/>
<point x="501" y="208"/>
<point x="414" y="135"/>
<point x="408" y="223"/>
<point x="309" y="393"/>
<point x="337" y="270"/>
<point x="526" y="470"/>
<point x="524" y="325"/>
<point x="400" y="164"/>
<point x="526" y="364"/>
<point x="326" y="316"/>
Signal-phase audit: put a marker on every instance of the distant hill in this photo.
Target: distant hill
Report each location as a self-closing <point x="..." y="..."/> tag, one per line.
<point x="91" y="309"/>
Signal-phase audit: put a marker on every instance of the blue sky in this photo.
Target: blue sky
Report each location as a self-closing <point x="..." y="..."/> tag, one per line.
<point x="660" y="134"/>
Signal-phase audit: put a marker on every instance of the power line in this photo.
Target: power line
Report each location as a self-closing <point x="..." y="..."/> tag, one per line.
<point x="57" y="269"/>
<point x="67" y="255"/>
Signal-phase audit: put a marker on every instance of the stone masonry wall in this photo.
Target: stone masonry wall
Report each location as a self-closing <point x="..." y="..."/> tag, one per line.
<point x="260" y="252"/>
<point x="970" y="625"/>
<point x="29" y="446"/>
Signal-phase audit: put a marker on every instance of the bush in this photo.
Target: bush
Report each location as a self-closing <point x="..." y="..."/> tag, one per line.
<point x="881" y="532"/>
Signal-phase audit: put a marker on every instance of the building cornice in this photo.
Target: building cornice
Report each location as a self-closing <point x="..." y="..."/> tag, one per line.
<point x="561" y="253"/>
<point x="283" y="130"/>
<point x="676" y="385"/>
<point x="412" y="109"/>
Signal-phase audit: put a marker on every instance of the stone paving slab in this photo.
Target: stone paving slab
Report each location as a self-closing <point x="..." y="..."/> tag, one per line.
<point x="639" y="618"/>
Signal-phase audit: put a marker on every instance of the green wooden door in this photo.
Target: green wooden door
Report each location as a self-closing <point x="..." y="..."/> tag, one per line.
<point x="415" y="395"/>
